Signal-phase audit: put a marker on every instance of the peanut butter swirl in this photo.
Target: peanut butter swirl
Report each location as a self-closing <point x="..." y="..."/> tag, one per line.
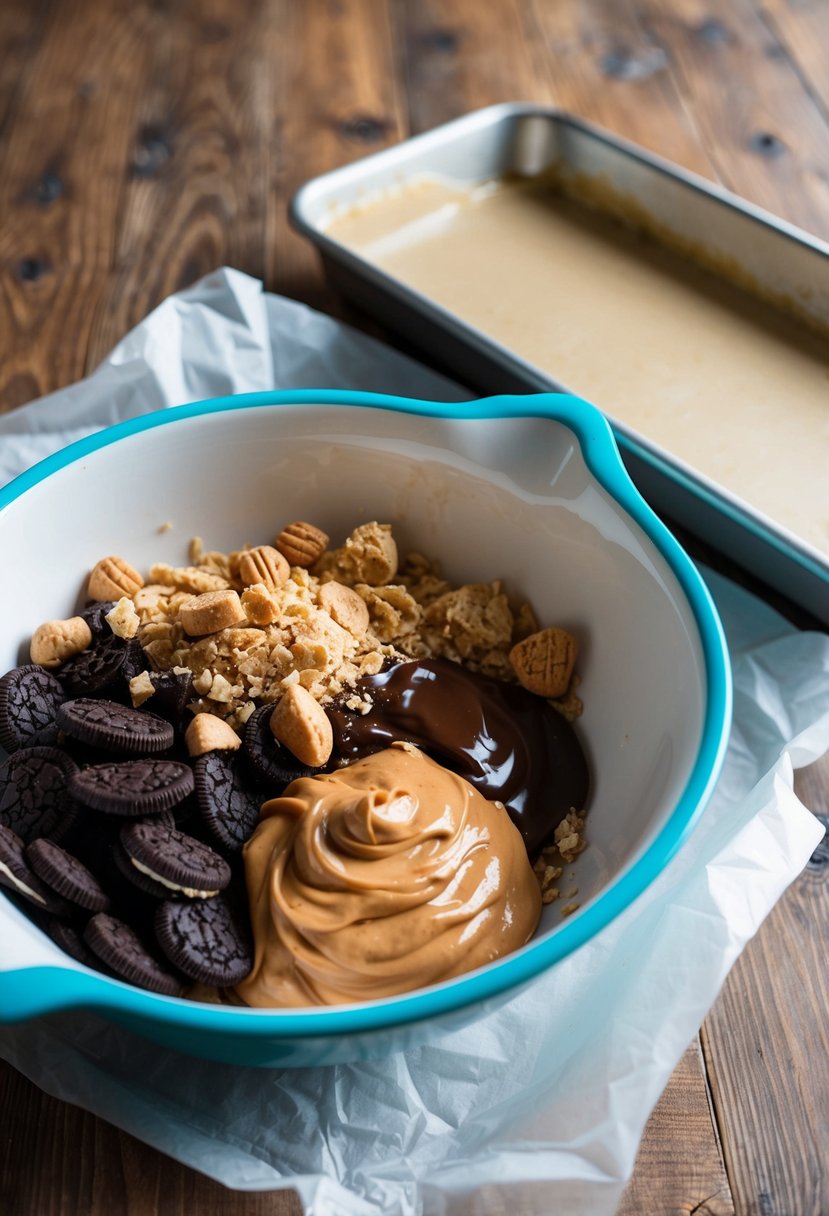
<point x="379" y="878"/>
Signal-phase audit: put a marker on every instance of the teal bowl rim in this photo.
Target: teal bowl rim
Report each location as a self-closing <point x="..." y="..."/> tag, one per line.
<point x="33" y="991"/>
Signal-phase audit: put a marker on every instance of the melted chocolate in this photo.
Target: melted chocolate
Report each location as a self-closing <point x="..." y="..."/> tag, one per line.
<point x="507" y="742"/>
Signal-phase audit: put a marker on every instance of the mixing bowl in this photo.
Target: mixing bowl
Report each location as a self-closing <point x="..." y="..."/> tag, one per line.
<point x="530" y="490"/>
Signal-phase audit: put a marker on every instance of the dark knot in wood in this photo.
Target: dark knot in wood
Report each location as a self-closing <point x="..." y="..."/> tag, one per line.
<point x="444" y="42"/>
<point x="363" y="129"/>
<point x="820" y="858"/>
<point x="767" y="144"/>
<point x="714" y="32"/>
<point x="49" y="189"/>
<point x="622" y="64"/>
<point x="153" y="149"/>
<point x="29" y="270"/>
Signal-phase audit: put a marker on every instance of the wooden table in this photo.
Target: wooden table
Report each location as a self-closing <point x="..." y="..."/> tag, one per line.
<point x="144" y="142"/>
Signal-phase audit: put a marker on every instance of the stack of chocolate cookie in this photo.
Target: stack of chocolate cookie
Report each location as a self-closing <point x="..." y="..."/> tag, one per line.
<point x="125" y="850"/>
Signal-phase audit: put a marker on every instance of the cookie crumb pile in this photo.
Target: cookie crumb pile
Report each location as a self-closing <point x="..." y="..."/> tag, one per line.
<point x="149" y="728"/>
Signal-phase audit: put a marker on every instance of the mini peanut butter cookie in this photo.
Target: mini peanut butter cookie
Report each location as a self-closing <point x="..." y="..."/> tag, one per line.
<point x="301" y="543"/>
<point x="269" y="763"/>
<point x="345" y="606"/>
<point x="210" y="612"/>
<point x="207" y="733"/>
<point x="54" y="642"/>
<point x="266" y="565"/>
<point x="113" y="577"/>
<point x="544" y="661"/>
<point x="260" y="605"/>
<point x="302" y="725"/>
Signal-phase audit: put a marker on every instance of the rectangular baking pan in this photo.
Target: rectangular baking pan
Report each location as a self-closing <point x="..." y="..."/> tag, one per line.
<point x="782" y="262"/>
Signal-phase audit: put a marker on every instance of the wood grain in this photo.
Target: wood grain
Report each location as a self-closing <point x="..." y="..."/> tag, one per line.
<point x="343" y="65"/>
<point x="682" y="1116"/>
<point x="20" y="33"/>
<point x="801" y="30"/>
<point x="60" y="191"/>
<point x="767" y="1070"/>
<point x="763" y="141"/>
<point x="461" y="56"/>
<point x="105" y="1172"/>
<point x="606" y="65"/>
<point x="145" y="142"/>
<point x="206" y="106"/>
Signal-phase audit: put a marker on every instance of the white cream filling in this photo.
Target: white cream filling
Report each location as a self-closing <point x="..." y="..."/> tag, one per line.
<point x="21" y="886"/>
<point x="190" y="892"/>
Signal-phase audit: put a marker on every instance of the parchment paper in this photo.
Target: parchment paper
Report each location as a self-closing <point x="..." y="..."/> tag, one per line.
<point x="539" y="1106"/>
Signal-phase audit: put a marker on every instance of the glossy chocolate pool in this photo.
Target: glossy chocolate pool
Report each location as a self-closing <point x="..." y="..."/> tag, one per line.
<point x="508" y="743"/>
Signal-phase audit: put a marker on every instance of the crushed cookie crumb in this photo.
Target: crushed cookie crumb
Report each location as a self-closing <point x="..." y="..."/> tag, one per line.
<point x="414" y="614"/>
<point x="568" y="842"/>
<point x="290" y="636"/>
<point x="568" y="836"/>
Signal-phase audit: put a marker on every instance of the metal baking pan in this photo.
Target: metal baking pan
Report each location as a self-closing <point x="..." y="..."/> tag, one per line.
<point x="783" y="265"/>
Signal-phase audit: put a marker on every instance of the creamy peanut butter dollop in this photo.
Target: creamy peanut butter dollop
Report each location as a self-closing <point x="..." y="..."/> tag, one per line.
<point x="385" y="876"/>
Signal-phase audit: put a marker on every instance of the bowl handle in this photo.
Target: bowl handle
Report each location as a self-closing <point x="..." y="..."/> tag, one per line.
<point x="34" y="991"/>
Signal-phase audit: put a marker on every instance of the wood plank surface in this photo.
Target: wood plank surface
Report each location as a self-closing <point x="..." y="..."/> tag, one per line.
<point x="204" y="104"/>
<point x="764" y="141"/>
<point x="768" y="1070"/>
<point x="57" y="1160"/>
<point x="145" y="143"/>
<point x="450" y="64"/>
<point x="606" y="65"/>
<point x="684" y="1116"/>
<point x="60" y="191"/>
<point x="342" y="65"/>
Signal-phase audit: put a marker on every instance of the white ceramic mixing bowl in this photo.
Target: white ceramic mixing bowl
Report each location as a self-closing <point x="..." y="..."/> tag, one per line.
<point x="529" y="490"/>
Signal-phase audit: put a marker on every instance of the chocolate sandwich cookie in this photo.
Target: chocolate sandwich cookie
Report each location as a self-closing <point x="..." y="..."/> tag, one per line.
<point x="137" y="879"/>
<point x="94" y="670"/>
<point x="69" y="937"/>
<point x="268" y="761"/>
<point x="182" y="864"/>
<point x="18" y="876"/>
<point x="66" y="875"/>
<point x="207" y="941"/>
<point x="133" y="788"/>
<point x="228" y="804"/>
<point x="99" y="846"/>
<point x="90" y="839"/>
<point x="134" y="662"/>
<point x="34" y="792"/>
<point x="95" y="615"/>
<point x="185" y="816"/>
<point x="120" y="947"/>
<point x="29" y="701"/>
<point x="173" y="692"/>
<point x="115" y="728"/>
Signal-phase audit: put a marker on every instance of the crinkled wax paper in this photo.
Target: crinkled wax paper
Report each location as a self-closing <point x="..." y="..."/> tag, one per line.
<point x="540" y="1105"/>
